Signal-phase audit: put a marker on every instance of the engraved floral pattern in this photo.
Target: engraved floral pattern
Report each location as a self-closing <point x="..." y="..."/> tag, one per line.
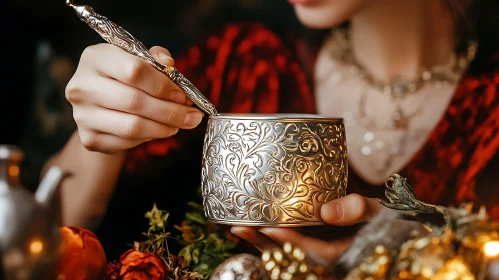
<point x="116" y="35"/>
<point x="271" y="171"/>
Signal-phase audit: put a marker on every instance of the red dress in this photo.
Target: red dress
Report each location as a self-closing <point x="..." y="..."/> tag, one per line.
<point x="247" y="68"/>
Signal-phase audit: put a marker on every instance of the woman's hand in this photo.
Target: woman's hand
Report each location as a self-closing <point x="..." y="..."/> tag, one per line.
<point x="120" y="101"/>
<point x="347" y="211"/>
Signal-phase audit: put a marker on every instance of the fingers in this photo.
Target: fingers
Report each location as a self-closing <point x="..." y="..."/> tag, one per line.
<point x="349" y="210"/>
<point x="112" y="62"/>
<point x="121" y="124"/>
<point x="120" y="100"/>
<point x="253" y="236"/>
<point x="163" y="55"/>
<point x="323" y="252"/>
<point x="123" y="98"/>
<point x="105" y="143"/>
<point x="346" y="211"/>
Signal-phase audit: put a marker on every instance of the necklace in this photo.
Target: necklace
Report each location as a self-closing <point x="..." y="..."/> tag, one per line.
<point x="439" y="77"/>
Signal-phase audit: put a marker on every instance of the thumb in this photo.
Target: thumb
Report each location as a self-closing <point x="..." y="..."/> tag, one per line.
<point x="162" y="55"/>
<point x="350" y="210"/>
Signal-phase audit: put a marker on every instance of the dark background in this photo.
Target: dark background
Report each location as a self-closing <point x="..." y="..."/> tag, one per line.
<point x="43" y="40"/>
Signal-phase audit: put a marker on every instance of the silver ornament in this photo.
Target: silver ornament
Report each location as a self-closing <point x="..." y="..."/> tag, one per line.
<point x="240" y="267"/>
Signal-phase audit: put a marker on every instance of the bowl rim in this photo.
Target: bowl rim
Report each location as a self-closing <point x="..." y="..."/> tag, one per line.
<point x="278" y="117"/>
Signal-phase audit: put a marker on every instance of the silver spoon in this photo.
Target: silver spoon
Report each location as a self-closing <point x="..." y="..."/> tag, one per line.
<point x="116" y="35"/>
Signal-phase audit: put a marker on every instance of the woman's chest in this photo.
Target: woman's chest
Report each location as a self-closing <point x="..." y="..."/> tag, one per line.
<point x="383" y="134"/>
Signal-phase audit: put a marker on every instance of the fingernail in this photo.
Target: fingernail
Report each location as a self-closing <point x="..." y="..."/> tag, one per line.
<point x="272" y="234"/>
<point x="193" y="119"/>
<point x="332" y="211"/>
<point x="177" y="96"/>
<point x="263" y="231"/>
<point x="267" y="231"/>
<point x="164" y="56"/>
<point x="238" y="232"/>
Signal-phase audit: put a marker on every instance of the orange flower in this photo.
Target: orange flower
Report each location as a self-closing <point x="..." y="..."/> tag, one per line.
<point x="82" y="256"/>
<point x="136" y="265"/>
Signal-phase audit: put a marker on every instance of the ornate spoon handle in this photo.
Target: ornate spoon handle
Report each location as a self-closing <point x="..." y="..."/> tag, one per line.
<point x="116" y="35"/>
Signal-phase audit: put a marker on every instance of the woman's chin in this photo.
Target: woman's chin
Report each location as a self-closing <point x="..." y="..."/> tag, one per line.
<point x="316" y="24"/>
<point x="318" y="18"/>
<point x="328" y="13"/>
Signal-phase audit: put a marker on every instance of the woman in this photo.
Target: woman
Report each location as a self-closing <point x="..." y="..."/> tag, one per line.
<point x="400" y="75"/>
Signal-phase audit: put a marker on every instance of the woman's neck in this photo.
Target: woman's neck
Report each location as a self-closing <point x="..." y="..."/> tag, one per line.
<point x="394" y="38"/>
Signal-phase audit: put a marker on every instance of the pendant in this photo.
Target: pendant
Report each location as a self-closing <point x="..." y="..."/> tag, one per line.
<point x="398" y="147"/>
<point x="399" y="87"/>
<point x="399" y="119"/>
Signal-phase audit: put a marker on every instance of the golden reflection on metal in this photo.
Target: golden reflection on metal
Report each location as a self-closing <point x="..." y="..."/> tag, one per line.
<point x="13" y="170"/>
<point x="404" y="275"/>
<point x="283" y="166"/>
<point x="427" y="272"/>
<point x="374" y="267"/>
<point x="36" y="247"/>
<point x="454" y="268"/>
<point x="290" y="263"/>
<point x="491" y="249"/>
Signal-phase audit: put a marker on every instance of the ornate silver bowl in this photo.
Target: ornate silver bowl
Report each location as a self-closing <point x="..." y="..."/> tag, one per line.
<point x="272" y="170"/>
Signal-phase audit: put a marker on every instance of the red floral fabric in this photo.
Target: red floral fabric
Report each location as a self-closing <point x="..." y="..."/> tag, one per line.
<point x="247" y="68"/>
<point x="243" y="69"/>
<point x="460" y="160"/>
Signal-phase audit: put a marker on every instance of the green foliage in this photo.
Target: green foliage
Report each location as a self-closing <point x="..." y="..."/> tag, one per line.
<point x="156" y="235"/>
<point x="157" y="243"/>
<point x="205" y="245"/>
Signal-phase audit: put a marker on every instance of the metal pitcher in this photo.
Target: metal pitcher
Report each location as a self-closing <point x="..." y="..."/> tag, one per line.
<point x="29" y="224"/>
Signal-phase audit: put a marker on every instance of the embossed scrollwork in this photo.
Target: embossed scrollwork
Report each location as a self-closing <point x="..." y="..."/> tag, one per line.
<point x="271" y="172"/>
